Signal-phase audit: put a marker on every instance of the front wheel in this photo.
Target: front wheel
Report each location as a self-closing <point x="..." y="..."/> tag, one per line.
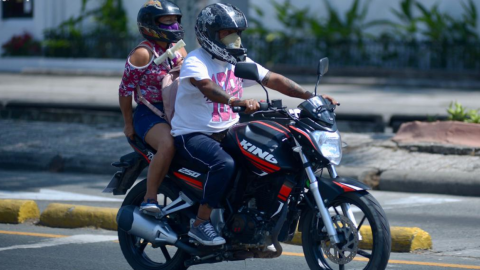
<point x="142" y="255"/>
<point x="364" y="243"/>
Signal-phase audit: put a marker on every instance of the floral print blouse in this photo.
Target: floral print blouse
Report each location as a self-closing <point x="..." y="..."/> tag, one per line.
<point x="148" y="77"/>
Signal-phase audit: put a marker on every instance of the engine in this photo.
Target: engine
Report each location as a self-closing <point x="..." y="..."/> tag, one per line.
<point x="247" y="227"/>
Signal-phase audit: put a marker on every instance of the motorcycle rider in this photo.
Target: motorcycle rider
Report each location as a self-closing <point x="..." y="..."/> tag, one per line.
<point x="159" y="23"/>
<point x="208" y="89"/>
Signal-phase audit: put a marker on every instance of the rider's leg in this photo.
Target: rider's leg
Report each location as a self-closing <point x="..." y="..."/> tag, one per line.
<point x="203" y="214"/>
<point x="203" y="150"/>
<point x="160" y="139"/>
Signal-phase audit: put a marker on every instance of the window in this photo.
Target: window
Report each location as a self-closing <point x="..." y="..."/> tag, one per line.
<point x="17" y="9"/>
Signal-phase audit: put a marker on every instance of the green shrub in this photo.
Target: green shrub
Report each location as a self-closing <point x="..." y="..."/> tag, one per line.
<point x="70" y="40"/>
<point x="457" y="112"/>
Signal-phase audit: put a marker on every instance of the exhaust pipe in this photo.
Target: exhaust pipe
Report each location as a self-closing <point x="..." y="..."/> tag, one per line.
<point x="130" y="220"/>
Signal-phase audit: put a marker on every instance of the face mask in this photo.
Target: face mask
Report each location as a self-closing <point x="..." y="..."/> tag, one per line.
<point x="232" y="41"/>
<point x="174" y="26"/>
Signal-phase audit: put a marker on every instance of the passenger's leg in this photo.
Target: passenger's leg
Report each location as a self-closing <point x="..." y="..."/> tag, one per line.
<point x="160" y="139"/>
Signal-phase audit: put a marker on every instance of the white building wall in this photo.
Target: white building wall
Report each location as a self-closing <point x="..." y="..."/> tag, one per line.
<point x="46" y="14"/>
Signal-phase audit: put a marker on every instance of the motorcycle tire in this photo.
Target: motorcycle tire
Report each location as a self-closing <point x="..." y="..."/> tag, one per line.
<point x="367" y="211"/>
<point x="138" y="252"/>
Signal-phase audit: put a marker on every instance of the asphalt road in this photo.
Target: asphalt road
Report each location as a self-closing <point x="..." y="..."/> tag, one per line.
<point x="452" y="222"/>
<point x="33" y="247"/>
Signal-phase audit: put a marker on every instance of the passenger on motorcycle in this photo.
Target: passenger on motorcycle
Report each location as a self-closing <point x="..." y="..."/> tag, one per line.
<point x="208" y="89"/>
<point x="159" y="23"/>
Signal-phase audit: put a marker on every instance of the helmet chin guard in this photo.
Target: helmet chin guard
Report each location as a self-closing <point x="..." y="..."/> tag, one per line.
<point x="214" y="18"/>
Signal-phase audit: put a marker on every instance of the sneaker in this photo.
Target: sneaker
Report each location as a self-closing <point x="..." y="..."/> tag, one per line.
<point x="205" y="234"/>
<point x="271" y="248"/>
<point x="150" y="206"/>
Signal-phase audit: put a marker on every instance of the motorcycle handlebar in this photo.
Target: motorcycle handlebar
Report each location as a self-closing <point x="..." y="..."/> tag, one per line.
<point x="263" y="107"/>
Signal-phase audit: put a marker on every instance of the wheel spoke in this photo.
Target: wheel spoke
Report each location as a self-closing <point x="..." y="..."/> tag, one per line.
<point x="361" y="223"/>
<point x="341" y="256"/>
<point x="165" y="253"/>
<point x="364" y="253"/>
<point x="143" y="245"/>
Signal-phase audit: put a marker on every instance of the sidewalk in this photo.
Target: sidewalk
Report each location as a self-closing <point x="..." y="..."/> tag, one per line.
<point x="356" y="99"/>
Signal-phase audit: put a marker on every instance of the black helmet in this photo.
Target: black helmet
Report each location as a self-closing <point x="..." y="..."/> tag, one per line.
<point x="216" y="17"/>
<point x="147" y="21"/>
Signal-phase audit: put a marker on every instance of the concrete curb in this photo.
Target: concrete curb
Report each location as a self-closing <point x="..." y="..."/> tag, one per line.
<point x="404" y="239"/>
<point x="77" y="216"/>
<point x="18" y="211"/>
<point x="410" y="239"/>
<point x="453" y="183"/>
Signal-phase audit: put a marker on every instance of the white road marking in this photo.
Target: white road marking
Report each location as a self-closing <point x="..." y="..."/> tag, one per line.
<point x="75" y="239"/>
<point x="418" y="200"/>
<point x="410" y="201"/>
<point x="54" y="195"/>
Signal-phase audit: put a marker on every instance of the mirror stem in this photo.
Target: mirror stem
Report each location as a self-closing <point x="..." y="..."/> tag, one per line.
<point x="266" y="92"/>
<point x="318" y="81"/>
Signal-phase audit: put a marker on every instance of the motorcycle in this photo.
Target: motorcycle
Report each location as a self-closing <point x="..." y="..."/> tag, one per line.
<point x="278" y="189"/>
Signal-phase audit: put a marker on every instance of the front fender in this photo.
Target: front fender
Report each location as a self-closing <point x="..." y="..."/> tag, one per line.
<point x="332" y="188"/>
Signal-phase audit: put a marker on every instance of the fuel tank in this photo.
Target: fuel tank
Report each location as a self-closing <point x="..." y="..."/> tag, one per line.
<point x="264" y="146"/>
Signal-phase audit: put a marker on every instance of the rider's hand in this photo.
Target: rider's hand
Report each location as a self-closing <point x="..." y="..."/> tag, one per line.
<point x="129" y="131"/>
<point x="251" y="105"/>
<point x="333" y="101"/>
<point x="179" y="61"/>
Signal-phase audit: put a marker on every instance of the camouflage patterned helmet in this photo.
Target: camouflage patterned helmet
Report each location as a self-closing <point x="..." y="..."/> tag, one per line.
<point x="214" y="18"/>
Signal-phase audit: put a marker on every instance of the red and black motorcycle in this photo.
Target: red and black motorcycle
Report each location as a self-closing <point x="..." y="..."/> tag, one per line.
<point x="278" y="187"/>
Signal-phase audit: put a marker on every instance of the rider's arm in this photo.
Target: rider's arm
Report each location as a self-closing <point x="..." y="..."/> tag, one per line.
<point x="288" y="87"/>
<point x="140" y="58"/>
<point x="216" y="94"/>
<point x="285" y="86"/>
<point x="126" y="108"/>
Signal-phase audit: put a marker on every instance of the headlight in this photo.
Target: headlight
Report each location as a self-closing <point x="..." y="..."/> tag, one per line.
<point x="330" y="145"/>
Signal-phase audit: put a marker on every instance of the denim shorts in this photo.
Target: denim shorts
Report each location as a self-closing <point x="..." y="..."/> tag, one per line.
<point x="144" y="119"/>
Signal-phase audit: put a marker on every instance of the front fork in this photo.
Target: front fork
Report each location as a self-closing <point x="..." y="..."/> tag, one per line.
<point x="332" y="233"/>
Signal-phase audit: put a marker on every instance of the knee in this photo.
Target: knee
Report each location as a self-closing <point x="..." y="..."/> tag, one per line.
<point x="226" y="165"/>
<point x="166" y="148"/>
<point x="229" y="164"/>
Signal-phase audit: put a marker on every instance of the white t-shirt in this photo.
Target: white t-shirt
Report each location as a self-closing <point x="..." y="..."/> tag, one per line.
<point x="196" y="113"/>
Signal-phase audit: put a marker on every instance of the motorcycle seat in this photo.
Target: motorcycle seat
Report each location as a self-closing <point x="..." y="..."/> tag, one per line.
<point x="147" y="152"/>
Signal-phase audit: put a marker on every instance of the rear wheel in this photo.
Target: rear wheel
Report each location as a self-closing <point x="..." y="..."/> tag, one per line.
<point x="364" y="244"/>
<point x="138" y="252"/>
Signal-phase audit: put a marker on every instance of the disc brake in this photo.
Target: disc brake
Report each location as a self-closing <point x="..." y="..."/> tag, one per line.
<point x="346" y="250"/>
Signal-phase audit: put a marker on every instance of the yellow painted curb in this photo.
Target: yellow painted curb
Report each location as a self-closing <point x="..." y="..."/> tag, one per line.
<point x="76" y="216"/>
<point x="404" y="239"/>
<point x="18" y="211"/>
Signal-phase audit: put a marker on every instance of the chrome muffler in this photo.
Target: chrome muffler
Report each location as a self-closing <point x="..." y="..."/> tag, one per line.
<point x="130" y="220"/>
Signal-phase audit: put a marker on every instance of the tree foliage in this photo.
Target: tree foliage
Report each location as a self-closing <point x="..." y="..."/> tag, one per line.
<point x="430" y="24"/>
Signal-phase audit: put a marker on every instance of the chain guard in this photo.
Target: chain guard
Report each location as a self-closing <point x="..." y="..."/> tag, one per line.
<point x="348" y="234"/>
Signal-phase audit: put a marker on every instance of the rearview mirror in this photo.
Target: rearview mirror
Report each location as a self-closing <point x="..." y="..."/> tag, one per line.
<point x="322" y="66"/>
<point x="247" y="71"/>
